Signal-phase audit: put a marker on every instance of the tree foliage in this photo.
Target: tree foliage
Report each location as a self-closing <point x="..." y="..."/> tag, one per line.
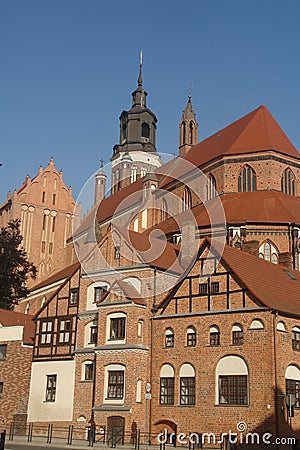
<point x="15" y="269"/>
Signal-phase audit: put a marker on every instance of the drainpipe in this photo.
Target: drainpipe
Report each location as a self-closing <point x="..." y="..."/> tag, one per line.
<point x="275" y="314"/>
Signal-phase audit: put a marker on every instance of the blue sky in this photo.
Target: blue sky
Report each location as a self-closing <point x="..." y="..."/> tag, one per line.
<point x="68" y="68"/>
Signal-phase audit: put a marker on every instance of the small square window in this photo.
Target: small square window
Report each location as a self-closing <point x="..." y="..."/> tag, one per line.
<point x="215" y="288"/>
<point x="3" y="350"/>
<point x="203" y="288"/>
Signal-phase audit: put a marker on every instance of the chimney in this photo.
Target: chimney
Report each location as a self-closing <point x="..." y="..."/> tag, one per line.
<point x="285" y="259"/>
<point x="251" y="247"/>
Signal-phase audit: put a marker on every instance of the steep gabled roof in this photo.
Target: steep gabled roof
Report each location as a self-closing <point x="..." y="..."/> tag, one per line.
<point x="274" y="286"/>
<point x="61" y="275"/>
<point x="240" y="208"/>
<point x="256" y="132"/>
<point x="152" y="251"/>
<point x="12" y="318"/>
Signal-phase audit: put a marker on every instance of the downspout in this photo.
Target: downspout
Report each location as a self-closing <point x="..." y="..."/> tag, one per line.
<point x="154" y="311"/>
<point x="275" y="314"/>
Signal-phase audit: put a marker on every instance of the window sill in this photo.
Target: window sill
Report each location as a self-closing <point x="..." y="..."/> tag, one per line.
<point x="228" y="406"/>
<point x="86" y="381"/>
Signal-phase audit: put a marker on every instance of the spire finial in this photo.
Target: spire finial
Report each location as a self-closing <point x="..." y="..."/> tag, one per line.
<point x="140" y="80"/>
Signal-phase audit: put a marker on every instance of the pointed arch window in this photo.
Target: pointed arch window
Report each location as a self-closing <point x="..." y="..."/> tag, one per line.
<point x="268" y="252"/>
<point x="183" y="133"/>
<point x="186" y="199"/>
<point x="191" y="131"/>
<point x="247" y="179"/>
<point x="164" y="210"/>
<point x="211" y="187"/>
<point x="288" y="182"/>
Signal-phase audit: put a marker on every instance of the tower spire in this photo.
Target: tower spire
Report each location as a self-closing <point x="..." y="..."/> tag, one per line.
<point x="188" y="134"/>
<point x="140" y="79"/>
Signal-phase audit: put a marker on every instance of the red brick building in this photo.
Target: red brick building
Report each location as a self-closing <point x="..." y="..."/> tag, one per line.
<point x="188" y="279"/>
<point x="16" y="345"/>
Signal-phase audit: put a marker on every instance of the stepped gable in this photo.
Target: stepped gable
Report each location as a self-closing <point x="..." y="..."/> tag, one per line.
<point x="256" y="132"/>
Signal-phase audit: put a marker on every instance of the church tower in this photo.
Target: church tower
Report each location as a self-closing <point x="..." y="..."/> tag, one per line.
<point x="137" y="146"/>
<point x="188" y="134"/>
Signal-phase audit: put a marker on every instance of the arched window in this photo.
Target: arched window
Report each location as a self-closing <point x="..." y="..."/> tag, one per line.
<point x="166" y="385"/>
<point x="139" y="391"/>
<point x="280" y="326"/>
<point x="187" y="384"/>
<point x="232" y="381"/>
<point x="114" y="383"/>
<point x="292" y="383"/>
<point x="296" y="338"/>
<point x="237" y="334"/>
<point x="288" y="182"/>
<point x="191" y="337"/>
<point x="169" y="338"/>
<point x="145" y="130"/>
<point x="268" y="252"/>
<point x="186" y="199"/>
<point x="164" y="210"/>
<point x="214" y="336"/>
<point x="183" y="133"/>
<point x="211" y="187"/>
<point x="247" y="179"/>
<point x="140" y="328"/>
<point x="143" y="172"/>
<point x="87" y="371"/>
<point x="257" y="324"/>
<point x="191" y="130"/>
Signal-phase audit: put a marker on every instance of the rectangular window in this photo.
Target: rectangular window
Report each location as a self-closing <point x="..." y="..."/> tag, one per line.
<point x="296" y="340"/>
<point x="191" y="339"/>
<point x="51" y="388"/>
<point x="167" y="391"/>
<point x="43" y="248"/>
<point x="53" y="199"/>
<point x="50" y="248"/>
<point x="115" y="387"/>
<point x="117" y="252"/>
<point x="74" y="295"/>
<point x="46" y="328"/>
<point x="43" y="197"/>
<point x="237" y="337"/>
<point x="214" y="338"/>
<point x="64" y="331"/>
<point x="203" y="288"/>
<point x="94" y="335"/>
<point x="117" y="328"/>
<point x="53" y="224"/>
<point x="187" y="391"/>
<point x="293" y="387"/>
<point x="3" y="350"/>
<point x="214" y="288"/>
<point x="233" y="390"/>
<point x="98" y="292"/>
<point x="89" y="371"/>
<point x="1" y="389"/>
<point x="44" y="222"/>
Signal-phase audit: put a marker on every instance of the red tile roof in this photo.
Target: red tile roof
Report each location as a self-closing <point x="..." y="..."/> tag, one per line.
<point x="12" y="318"/>
<point x="241" y="208"/>
<point x="154" y="252"/>
<point x="57" y="276"/>
<point x="269" y="283"/>
<point x="256" y="132"/>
